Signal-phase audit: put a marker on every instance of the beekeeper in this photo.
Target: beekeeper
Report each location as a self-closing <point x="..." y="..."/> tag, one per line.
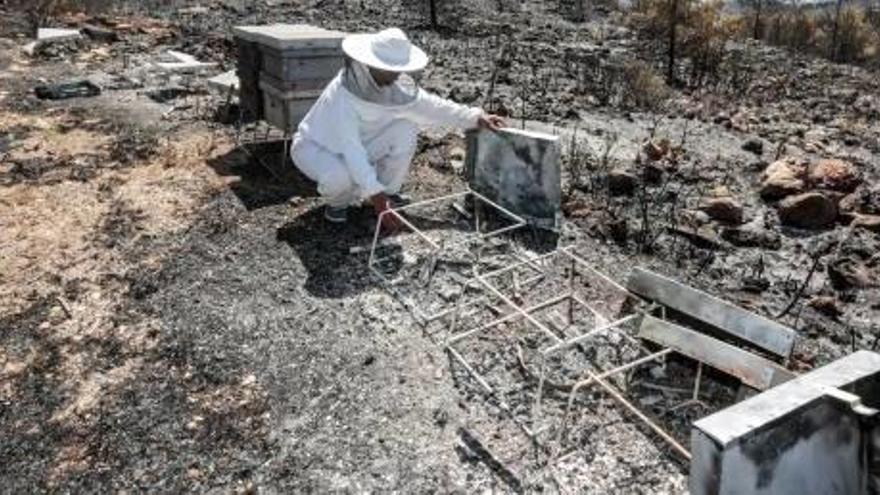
<point x="358" y="139"/>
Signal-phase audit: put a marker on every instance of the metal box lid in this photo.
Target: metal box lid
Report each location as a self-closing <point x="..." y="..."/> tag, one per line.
<point x="290" y="36"/>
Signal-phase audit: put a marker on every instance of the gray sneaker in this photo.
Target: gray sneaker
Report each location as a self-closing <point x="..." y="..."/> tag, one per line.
<point x="336" y="214"/>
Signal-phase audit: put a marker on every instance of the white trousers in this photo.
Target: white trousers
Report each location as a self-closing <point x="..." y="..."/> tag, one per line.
<point x="390" y="152"/>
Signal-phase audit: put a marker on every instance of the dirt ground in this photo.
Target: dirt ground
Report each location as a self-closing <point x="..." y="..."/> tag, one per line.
<point x="174" y="317"/>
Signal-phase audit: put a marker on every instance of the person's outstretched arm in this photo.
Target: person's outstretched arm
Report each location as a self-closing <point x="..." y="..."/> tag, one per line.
<point x="430" y="110"/>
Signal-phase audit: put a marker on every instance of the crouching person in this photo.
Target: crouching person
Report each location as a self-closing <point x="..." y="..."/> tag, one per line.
<point x="358" y="140"/>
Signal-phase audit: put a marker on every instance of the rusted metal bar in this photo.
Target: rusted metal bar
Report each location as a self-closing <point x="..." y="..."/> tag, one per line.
<point x="636" y="412"/>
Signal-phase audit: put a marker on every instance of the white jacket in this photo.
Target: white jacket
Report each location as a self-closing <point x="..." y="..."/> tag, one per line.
<point x="341" y="123"/>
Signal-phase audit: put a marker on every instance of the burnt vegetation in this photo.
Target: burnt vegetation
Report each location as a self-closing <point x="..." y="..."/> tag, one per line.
<point x="177" y="317"/>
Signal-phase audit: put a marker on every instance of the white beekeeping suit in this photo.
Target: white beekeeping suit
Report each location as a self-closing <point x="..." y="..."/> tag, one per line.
<point x="359" y="138"/>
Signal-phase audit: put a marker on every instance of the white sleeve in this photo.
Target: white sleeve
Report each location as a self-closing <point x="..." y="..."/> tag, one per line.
<point x="431" y="110"/>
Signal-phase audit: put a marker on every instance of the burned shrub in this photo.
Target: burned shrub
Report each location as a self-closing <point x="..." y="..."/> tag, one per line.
<point x="618" y="81"/>
<point x="848" y="34"/>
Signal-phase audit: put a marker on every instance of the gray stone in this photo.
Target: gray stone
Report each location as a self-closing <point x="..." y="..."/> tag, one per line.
<point x="812" y="210"/>
<point x="98" y="33"/>
<point x="724" y="209"/>
<point x="782" y="178"/>
<point x="809" y="436"/>
<point x="847" y="272"/>
<point x="622" y="182"/>
<point x="837" y="175"/>
<point x="752" y="236"/>
<point x="519" y="170"/>
<point x="754" y="145"/>
<point x="867" y="222"/>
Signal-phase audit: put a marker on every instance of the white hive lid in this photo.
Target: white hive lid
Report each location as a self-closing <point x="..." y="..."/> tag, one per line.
<point x="530" y="134"/>
<point x="290" y="36"/>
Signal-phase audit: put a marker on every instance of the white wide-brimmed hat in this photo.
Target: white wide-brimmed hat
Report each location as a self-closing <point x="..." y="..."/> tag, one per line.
<point x="389" y="50"/>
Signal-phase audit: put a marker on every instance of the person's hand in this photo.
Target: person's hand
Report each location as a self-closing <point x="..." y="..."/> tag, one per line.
<point x="381" y="203"/>
<point x="491" y="121"/>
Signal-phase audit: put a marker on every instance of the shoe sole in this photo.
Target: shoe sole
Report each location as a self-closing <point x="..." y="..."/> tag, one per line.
<point x="335" y="219"/>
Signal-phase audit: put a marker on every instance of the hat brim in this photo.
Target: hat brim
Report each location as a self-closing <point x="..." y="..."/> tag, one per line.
<point x="357" y="46"/>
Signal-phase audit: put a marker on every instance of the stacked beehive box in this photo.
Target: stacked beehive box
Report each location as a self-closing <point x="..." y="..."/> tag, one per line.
<point x="283" y="68"/>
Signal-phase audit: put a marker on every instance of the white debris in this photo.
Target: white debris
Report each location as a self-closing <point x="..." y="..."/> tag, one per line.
<point x="30" y="49"/>
<point x="194" y="10"/>
<point x="224" y="83"/>
<point x="184" y="63"/>
<point x="47" y="35"/>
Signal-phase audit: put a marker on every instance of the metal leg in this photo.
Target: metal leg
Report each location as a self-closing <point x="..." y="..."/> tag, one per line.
<point x="695" y="397"/>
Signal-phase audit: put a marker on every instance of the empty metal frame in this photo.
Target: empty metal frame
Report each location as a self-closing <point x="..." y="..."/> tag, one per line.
<point x="603" y="321"/>
<point x="482" y="221"/>
<point x="516" y="285"/>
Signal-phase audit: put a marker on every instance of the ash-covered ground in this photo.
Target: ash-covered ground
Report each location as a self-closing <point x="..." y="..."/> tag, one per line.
<point x="173" y="317"/>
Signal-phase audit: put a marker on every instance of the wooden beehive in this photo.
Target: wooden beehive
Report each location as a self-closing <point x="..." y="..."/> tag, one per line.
<point x="284" y="67"/>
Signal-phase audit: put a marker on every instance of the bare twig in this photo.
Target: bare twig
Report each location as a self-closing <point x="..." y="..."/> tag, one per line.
<point x="816" y="258"/>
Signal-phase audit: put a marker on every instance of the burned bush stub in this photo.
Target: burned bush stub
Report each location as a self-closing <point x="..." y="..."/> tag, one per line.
<point x="811" y="435"/>
<point x="518" y="169"/>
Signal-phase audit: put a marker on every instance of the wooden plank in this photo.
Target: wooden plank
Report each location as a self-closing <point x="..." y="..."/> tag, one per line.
<point x="753" y="370"/>
<point x="764" y="333"/>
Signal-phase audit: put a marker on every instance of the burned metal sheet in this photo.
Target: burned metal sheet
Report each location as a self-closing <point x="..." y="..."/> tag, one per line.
<point x="808" y="436"/>
<point x="753" y="370"/>
<point x="519" y="170"/>
<point x="735" y="321"/>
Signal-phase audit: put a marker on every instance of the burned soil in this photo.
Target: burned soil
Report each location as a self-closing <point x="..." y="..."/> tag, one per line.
<point x="176" y="317"/>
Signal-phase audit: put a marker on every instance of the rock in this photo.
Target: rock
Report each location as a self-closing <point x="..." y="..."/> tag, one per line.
<point x="656" y="150"/>
<point x="456" y="159"/>
<point x="100" y="34"/>
<point x="849" y="203"/>
<point x="751" y="236"/>
<point x="30" y="49"/>
<point x="755" y="284"/>
<point x="57" y="314"/>
<point x="618" y="230"/>
<point x="847" y="272"/>
<point x="837" y="175"/>
<point x="703" y="238"/>
<point x="456" y="153"/>
<point x="810" y="210"/>
<point x="782" y="178"/>
<point x="622" y="182"/>
<point x="575" y="209"/>
<point x="435" y="158"/>
<point x="754" y="145"/>
<point x="652" y="172"/>
<point x="867" y="222"/>
<point x="694" y="218"/>
<point x="720" y="192"/>
<point x="826" y="305"/>
<point x="725" y="209"/>
<point x="449" y="292"/>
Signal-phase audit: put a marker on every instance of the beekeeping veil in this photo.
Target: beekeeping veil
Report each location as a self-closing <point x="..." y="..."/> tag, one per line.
<point x="387" y="50"/>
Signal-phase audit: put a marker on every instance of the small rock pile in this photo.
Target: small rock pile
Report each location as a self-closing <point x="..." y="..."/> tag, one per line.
<point x="814" y="195"/>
